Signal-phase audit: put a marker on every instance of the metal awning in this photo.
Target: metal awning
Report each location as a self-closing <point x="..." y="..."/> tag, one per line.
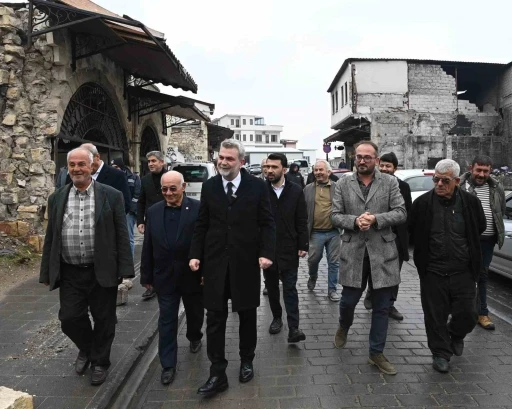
<point x="141" y="52"/>
<point x="353" y="130"/>
<point x="216" y="134"/>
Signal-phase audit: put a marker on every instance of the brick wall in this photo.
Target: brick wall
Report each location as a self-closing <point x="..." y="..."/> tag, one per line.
<point x="191" y="141"/>
<point x="381" y="102"/>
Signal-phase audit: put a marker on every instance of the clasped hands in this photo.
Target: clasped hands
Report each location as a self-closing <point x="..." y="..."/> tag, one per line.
<point x="365" y="221"/>
<point x="264" y="263"/>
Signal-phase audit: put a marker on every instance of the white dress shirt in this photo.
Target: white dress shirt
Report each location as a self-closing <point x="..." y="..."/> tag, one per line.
<point x="279" y="189"/>
<point x="95" y="175"/>
<point x="236" y="182"/>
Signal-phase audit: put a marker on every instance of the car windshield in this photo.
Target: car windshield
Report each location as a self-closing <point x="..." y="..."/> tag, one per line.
<point x="420" y="183"/>
<point x="193" y="174"/>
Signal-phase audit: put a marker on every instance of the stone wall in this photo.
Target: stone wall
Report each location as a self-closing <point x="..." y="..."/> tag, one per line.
<point x="191" y="141"/>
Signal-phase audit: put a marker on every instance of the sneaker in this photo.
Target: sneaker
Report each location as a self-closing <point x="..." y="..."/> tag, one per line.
<point x="457" y="346"/>
<point x="296" y="335"/>
<point x="340" y="339"/>
<point x="334" y="296"/>
<point x="311" y="284"/>
<point x="381" y="362"/>
<point x="395" y="314"/>
<point x="367" y="302"/>
<point x="276" y="326"/>
<point x="265" y="291"/>
<point x="485" y="322"/>
<point x="440" y="364"/>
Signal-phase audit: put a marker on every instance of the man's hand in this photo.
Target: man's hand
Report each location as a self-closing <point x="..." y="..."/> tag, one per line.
<point x="141" y="228"/>
<point x="366" y="220"/>
<point x="264" y="263"/>
<point x="194" y="264"/>
<point x="302" y="253"/>
<point x="148" y="286"/>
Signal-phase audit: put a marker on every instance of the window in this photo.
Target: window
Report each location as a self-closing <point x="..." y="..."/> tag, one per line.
<point x="336" y="100"/>
<point x="193" y="174"/>
<point x="243" y="122"/>
<point x="251" y="137"/>
<point x="274" y="138"/>
<point x="342" y="98"/>
<point x="237" y="137"/>
<point x="332" y="102"/>
<point x="238" y="123"/>
<point x="346" y="93"/>
<point x="420" y="183"/>
<point x="244" y="138"/>
<point x="232" y="121"/>
<point x="266" y="139"/>
<point x="251" y="121"/>
<point x="258" y="138"/>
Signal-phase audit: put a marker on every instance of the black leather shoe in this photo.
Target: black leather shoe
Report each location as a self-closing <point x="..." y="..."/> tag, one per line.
<point x="296" y="335"/>
<point x="98" y="375"/>
<point x="167" y="376"/>
<point x="195" y="346"/>
<point x="457" y="346"/>
<point x="82" y="363"/>
<point x="276" y="326"/>
<point x="246" y="372"/>
<point x="149" y="293"/>
<point x="440" y="364"/>
<point x="214" y="385"/>
<point x="395" y="314"/>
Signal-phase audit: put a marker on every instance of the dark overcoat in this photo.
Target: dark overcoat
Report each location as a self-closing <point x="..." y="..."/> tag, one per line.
<point x="149" y="195"/>
<point x="164" y="270"/>
<point x="402" y="231"/>
<point x="231" y="236"/>
<point x="112" y="254"/>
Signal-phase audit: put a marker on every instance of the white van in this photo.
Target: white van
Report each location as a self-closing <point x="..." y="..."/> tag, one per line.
<point x="195" y="173"/>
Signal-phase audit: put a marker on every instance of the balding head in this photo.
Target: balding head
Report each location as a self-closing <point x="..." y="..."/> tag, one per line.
<point x="173" y="188"/>
<point x="96" y="160"/>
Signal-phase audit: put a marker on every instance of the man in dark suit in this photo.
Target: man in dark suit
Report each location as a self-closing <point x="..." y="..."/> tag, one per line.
<point x="86" y="253"/>
<point x="289" y="208"/>
<point x="389" y="164"/>
<point x="234" y="237"/>
<point x="164" y="267"/>
<point x="150" y="194"/>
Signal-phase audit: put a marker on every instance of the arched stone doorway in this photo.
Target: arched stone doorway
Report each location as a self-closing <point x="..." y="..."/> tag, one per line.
<point x="91" y="117"/>
<point x="148" y="142"/>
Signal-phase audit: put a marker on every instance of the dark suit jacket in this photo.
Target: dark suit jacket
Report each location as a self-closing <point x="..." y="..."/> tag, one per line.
<point x="112" y="254"/>
<point x="156" y="268"/>
<point x="401" y="230"/>
<point x="149" y="195"/>
<point x="230" y="237"/>
<point x="291" y="218"/>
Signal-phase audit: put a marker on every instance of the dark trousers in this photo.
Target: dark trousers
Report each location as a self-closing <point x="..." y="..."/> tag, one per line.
<point x="381" y="301"/>
<point x="79" y="293"/>
<point x="169" y="305"/>
<point x="216" y="335"/>
<point x="444" y="295"/>
<point x="290" y="296"/>
<point x="487" y="244"/>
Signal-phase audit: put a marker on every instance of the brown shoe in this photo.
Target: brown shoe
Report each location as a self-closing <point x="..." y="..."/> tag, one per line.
<point x="485" y="322"/>
<point x="340" y="339"/>
<point x="381" y="362"/>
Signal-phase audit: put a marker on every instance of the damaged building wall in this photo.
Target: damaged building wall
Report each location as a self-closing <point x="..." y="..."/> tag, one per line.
<point x="191" y="141"/>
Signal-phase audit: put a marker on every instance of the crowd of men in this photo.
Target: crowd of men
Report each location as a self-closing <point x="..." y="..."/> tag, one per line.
<point x="211" y="252"/>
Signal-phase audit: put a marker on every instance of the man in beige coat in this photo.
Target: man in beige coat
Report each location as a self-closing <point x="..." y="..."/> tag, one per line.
<point x="367" y="204"/>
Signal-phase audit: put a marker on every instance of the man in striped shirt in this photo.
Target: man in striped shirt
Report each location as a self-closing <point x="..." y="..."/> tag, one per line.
<point x="479" y="182"/>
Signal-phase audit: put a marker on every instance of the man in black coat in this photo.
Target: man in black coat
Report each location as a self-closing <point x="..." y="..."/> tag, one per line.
<point x="445" y="226"/>
<point x="291" y="217"/>
<point x="389" y="164"/>
<point x="294" y="175"/>
<point x="150" y="194"/>
<point x="86" y="253"/>
<point x="234" y="237"/>
<point x="164" y="267"/>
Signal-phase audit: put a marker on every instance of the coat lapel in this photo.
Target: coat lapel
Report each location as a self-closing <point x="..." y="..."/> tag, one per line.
<point x="62" y="200"/>
<point x="375" y="185"/>
<point x="219" y="190"/>
<point x="242" y="187"/>
<point x="161" y="217"/>
<point x="185" y="213"/>
<point x="354" y="184"/>
<point x="99" y="201"/>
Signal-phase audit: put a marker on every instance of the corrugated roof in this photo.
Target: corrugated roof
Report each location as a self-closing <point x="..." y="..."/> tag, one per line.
<point x="409" y="60"/>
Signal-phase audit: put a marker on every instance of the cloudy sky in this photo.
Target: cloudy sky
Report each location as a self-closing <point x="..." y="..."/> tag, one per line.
<point x="276" y="58"/>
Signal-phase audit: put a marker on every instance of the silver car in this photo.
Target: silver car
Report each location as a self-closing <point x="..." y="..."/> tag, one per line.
<point x="502" y="258"/>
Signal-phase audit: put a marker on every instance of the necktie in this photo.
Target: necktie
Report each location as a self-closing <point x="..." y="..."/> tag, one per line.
<point x="230" y="191"/>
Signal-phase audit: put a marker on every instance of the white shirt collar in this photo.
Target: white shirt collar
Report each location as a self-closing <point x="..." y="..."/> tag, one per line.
<point x="236" y="182"/>
<point x="279" y="190"/>
<point x="95" y="176"/>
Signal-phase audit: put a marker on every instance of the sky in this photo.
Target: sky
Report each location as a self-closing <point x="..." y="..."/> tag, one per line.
<point x="277" y="58"/>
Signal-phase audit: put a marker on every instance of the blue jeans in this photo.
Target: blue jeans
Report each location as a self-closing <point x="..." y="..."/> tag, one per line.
<point x="131" y="220"/>
<point x="332" y="243"/>
<point x="487" y="245"/>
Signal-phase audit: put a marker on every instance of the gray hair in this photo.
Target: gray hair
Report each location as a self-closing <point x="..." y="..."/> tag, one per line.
<point x="157" y="154"/>
<point x="90" y="147"/>
<point x="80" y="149"/>
<point x="448" y="165"/>
<point x="327" y="164"/>
<point x="234" y="144"/>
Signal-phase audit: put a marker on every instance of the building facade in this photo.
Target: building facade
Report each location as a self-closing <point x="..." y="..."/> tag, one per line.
<point x="252" y="130"/>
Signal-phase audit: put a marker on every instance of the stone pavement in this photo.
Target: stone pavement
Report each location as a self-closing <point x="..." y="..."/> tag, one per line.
<point x="314" y="374"/>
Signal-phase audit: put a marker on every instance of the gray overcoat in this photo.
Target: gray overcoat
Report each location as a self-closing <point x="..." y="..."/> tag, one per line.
<point x="387" y="204"/>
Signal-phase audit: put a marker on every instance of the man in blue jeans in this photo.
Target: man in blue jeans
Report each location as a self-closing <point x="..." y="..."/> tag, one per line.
<point x="322" y="233"/>
<point x="479" y="182"/>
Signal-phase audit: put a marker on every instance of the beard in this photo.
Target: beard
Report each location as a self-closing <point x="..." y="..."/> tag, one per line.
<point x="228" y="173"/>
<point x="365" y="170"/>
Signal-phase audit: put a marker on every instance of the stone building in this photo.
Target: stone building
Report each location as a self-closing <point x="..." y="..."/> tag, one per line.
<point x="73" y="72"/>
<point x="424" y="110"/>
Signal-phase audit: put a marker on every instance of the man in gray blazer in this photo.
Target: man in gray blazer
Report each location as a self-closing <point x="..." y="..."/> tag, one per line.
<point x="367" y="204"/>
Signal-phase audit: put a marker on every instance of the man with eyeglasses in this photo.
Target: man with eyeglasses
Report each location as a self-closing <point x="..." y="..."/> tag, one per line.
<point x="479" y="181"/>
<point x="367" y="205"/>
<point x="445" y="226"/>
<point x="169" y="227"/>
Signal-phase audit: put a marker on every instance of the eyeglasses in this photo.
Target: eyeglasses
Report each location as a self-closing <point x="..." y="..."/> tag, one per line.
<point x="366" y="158"/>
<point x="172" y="189"/>
<point x="445" y="181"/>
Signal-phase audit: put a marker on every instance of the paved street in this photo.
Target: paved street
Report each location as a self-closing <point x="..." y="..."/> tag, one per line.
<point x="315" y="375"/>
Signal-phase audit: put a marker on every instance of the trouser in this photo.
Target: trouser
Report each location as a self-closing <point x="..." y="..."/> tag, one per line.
<point x="381" y="301"/>
<point x="169" y="305"/>
<point x="216" y="334"/>
<point x="79" y="293"/>
<point x="330" y="240"/>
<point x="487" y="244"/>
<point x="131" y="221"/>
<point x="444" y="295"/>
<point x="290" y="296"/>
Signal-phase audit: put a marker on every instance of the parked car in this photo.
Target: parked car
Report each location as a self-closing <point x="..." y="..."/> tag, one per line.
<point x="339" y="172"/>
<point x="254" y="169"/>
<point x="194" y="174"/>
<point x="502" y="259"/>
<point x="419" y="180"/>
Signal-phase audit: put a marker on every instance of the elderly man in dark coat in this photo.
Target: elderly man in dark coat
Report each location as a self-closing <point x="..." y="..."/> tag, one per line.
<point x="234" y="237"/>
